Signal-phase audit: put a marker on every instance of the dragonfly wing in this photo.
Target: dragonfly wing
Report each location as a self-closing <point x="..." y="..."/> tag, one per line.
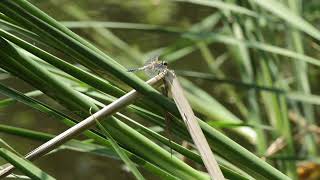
<point x="154" y="70"/>
<point x="151" y="72"/>
<point x="151" y="60"/>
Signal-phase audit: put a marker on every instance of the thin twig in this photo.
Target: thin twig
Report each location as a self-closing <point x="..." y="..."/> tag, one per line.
<point x="193" y="126"/>
<point x="83" y="125"/>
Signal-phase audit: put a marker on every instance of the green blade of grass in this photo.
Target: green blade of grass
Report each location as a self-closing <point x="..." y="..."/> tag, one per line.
<point x="241" y="53"/>
<point x="235" y="83"/>
<point x="120" y="25"/>
<point x="223" y="6"/>
<point x="80" y="74"/>
<point x="25" y="166"/>
<point x="301" y="70"/>
<point x="287" y="15"/>
<point x="216" y="37"/>
<point x="121" y="154"/>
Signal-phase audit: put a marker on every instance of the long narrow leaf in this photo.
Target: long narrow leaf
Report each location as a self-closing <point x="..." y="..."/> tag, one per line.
<point x="24" y="165"/>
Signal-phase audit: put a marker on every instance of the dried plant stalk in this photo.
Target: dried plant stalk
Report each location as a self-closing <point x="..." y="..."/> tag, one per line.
<point x="193" y="127"/>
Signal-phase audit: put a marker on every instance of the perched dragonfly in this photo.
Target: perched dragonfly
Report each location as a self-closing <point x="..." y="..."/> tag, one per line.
<point x="152" y="67"/>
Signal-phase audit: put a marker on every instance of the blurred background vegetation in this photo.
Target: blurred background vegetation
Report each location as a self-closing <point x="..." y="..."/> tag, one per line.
<point x="249" y="68"/>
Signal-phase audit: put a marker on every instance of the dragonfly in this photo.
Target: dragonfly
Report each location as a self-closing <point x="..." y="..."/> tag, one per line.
<point x="152" y="67"/>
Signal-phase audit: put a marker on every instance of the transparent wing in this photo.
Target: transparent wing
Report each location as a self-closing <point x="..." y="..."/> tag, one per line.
<point x="151" y="60"/>
<point x="150" y="69"/>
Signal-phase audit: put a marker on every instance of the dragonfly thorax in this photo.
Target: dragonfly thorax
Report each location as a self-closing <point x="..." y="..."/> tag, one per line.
<point x="152" y="67"/>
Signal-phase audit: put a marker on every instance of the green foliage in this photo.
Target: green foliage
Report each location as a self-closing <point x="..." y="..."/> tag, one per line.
<point x="242" y="76"/>
<point x="25" y="166"/>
